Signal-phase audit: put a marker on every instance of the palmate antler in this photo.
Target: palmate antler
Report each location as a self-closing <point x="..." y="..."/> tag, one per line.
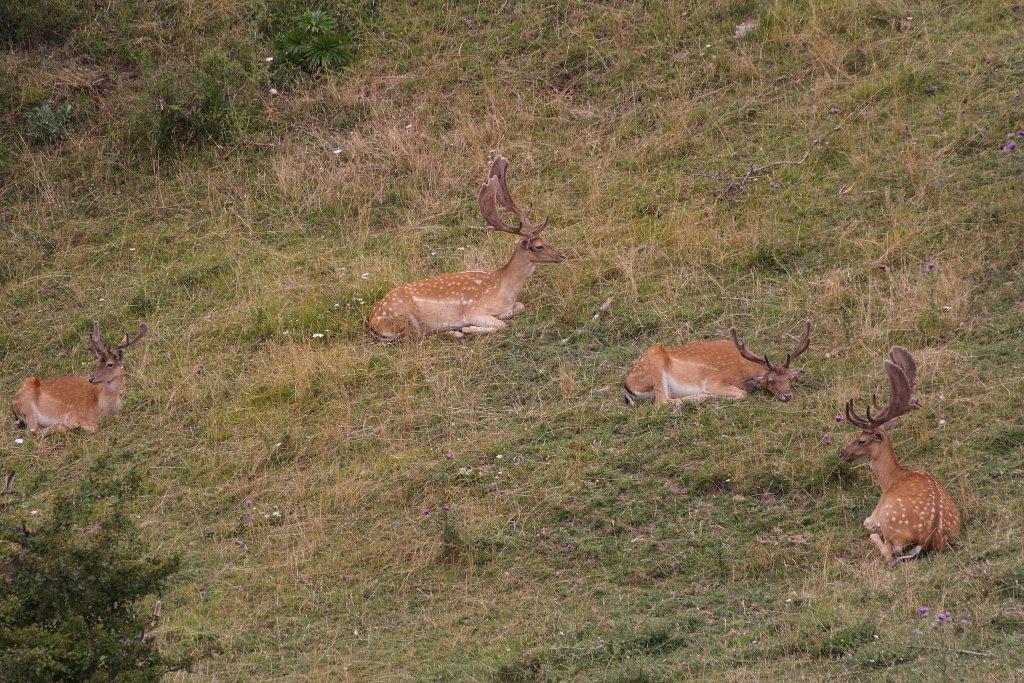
<point x="495" y="198"/>
<point x="902" y="372"/>
<point x="801" y="346"/>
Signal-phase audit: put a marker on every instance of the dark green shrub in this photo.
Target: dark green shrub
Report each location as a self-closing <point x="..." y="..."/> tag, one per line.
<point x="312" y="42"/>
<point x="29" y="23"/>
<point x="210" y="103"/>
<point x="72" y="607"/>
<point x="46" y="123"/>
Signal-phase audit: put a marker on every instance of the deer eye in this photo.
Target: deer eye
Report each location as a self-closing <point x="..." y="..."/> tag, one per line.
<point x="878" y="437"/>
<point x="539" y="247"/>
<point x="110" y="365"/>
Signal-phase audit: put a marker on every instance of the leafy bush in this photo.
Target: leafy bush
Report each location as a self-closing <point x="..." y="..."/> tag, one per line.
<point x="71" y="608"/>
<point x="46" y="124"/>
<point x="204" y="104"/>
<point x="30" y="23"/>
<point x="312" y="43"/>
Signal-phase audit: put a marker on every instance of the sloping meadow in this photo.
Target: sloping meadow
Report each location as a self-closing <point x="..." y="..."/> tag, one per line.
<point x="489" y="507"/>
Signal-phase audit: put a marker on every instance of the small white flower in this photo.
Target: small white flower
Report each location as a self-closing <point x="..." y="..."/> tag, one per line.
<point x="337" y="150"/>
<point x="131" y="248"/>
<point x="273" y="91"/>
<point x="708" y="45"/>
<point x="498" y="457"/>
<point x="318" y="335"/>
<point x="35" y="512"/>
<point x="19" y="440"/>
<point x="408" y="126"/>
<point x="278" y="444"/>
<point x="462" y="249"/>
<point x="355" y="632"/>
<point x="433" y="253"/>
<point x="276" y="513"/>
<point x="942" y="422"/>
<point x="268" y="60"/>
<point x="337" y="305"/>
<point x="365" y="276"/>
<point x="102" y="300"/>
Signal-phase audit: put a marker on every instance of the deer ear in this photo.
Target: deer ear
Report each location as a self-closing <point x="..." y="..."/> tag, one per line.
<point x="888" y="426"/>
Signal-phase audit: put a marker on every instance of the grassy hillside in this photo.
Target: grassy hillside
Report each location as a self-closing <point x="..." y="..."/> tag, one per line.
<point x="488" y="508"/>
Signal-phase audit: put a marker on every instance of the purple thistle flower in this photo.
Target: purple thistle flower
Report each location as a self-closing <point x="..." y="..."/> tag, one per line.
<point x="922" y="611"/>
<point x="248" y="503"/>
<point x="838" y="418"/>
<point x="448" y="455"/>
<point x="834" y="110"/>
<point x="930" y="267"/>
<point x="425" y="512"/>
<point x="1011" y="146"/>
<point x="248" y="518"/>
<point x="1020" y="133"/>
<point x="826" y="440"/>
<point x="943" y="617"/>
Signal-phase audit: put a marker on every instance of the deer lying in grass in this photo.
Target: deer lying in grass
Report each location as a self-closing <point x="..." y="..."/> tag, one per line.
<point x="915" y="513"/>
<point x="62" y="403"/>
<point x="472" y="302"/>
<point x="693" y="372"/>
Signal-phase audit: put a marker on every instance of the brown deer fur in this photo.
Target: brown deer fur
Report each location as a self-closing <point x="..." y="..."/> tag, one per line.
<point x="693" y="372"/>
<point x="51" y="404"/>
<point x="471" y="302"/>
<point x="915" y="513"/>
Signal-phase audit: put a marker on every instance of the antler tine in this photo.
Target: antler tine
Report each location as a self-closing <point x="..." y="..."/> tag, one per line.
<point x="853" y="418"/>
<point x="742" y="348"/>
<point x="801" y="346"/>
<point x="125" y="342"/>
<point x="94" y="337"/>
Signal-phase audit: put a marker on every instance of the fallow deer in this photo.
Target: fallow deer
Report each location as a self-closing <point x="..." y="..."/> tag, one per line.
<point x="693" y="372"/>
<point x="915" y="513"/>
<point x="45" y="405"/>
<point x="472" y="302"/>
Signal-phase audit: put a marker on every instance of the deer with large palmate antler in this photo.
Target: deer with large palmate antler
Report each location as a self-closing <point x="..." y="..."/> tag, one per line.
<point x="45" y="405"/>
<point x="915" y="513"/>
<point x="722" y="367"/>
<point x="471" y="302"/>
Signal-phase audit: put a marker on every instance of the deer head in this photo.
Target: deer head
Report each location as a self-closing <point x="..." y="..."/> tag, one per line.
<point x="776" y="378"/>
<point x="495" y="198"/>
<point x="110" y="359"/>
<point x="873" y="440"/>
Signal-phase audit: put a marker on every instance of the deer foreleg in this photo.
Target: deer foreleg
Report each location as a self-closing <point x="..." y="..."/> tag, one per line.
<point x="911" y="554"/>
<point x="725" y="391"/>
<point x="517" y="308"/>
<point x="483" y="324"/>
<point x="883" y="546"/>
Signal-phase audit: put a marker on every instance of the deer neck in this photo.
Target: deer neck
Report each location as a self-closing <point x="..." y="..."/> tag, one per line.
<point x="886" y="468"/>
<point x="109" y="394"/>
<point x="514" y="274"/>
